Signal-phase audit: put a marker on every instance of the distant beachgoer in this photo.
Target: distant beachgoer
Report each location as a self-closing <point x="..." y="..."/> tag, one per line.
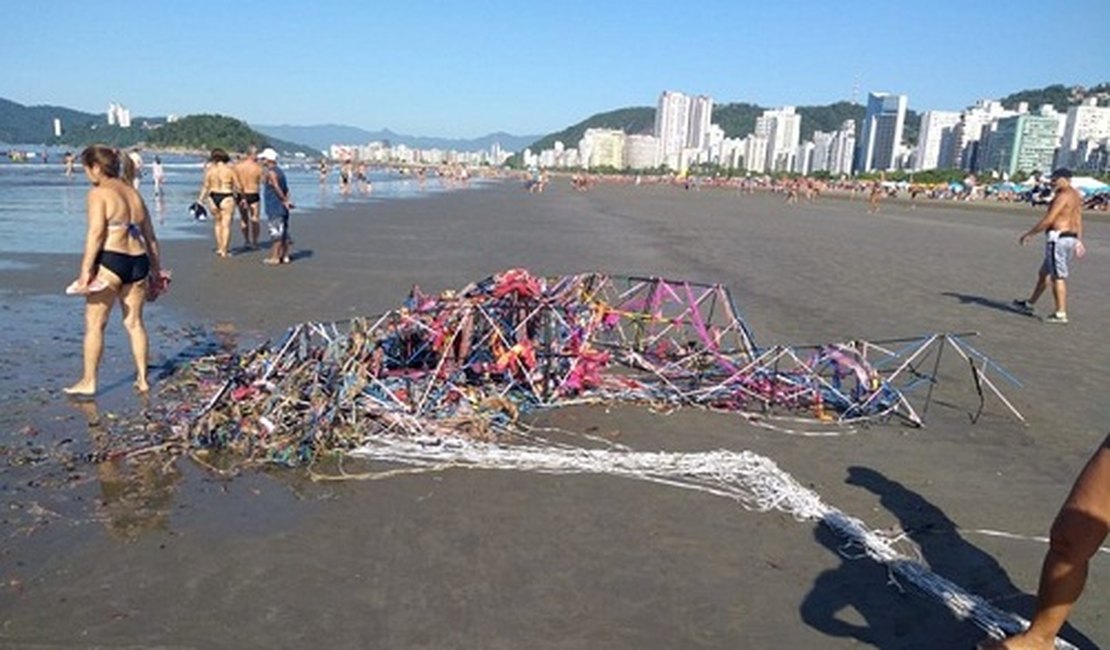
<point x="323" y="171"/>
<point x="345" y="177"/>
<point x="121" y="251"/>
<point x="1063" y="228"/>
<point x="68" y="160"/>
<point x="360" y="178"/>
<point x="250" y="173"/>
<point x="137" y="161"/>
<point x="874" y="196"/>
<point x="158" y="174"/>
<point x="278" y="205"/>
<point x="1077" y="533"/>
<point x="220" y="185"/>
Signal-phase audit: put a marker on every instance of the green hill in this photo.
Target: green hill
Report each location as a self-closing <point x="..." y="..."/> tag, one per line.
<point x="34" y="125"/>
<point x="206" y="132"/>
<point x="21" y="124"/>
<point x="631" y="120"/>
<point x="1059" y="95"/>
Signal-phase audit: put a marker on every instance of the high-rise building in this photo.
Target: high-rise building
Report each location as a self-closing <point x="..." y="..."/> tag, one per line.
<point x="843" y="149"/>
<point x="672" y="123"/>
<point x="803" y="158"/>
<point x="1022" y="143"/>
<point x="755" y="153"/>
<point x="1087" y="122"/>
<point x="822" y="148"/>
<point x="881" y="134"/>
<point x="602" y="148"/>
<point x="641" y="151"/>
<point x="936" y="139"/>
<point x="782" y="129"/>
<point x="697" y="130"/>
<point x="966" y="135"/>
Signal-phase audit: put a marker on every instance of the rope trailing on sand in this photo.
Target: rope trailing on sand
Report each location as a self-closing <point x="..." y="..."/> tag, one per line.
<point x="753" y="481"/>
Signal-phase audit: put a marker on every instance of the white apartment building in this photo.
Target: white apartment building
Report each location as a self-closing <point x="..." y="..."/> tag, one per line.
<point x="782" y="130"/>
<point x="641" y="151"/>
<point x="936" y="139"/>
<point x="602" y="148"/>
<point x="820" y="160"/>
<point x="755" y="153"/>
<point x="803" y="158"/>
<point x="968" y="132"/>
<point x="843" y="149"/>
<point x="1087" y="122"/>
<point x="697" y="130"/>
<point x="672" y="123"/>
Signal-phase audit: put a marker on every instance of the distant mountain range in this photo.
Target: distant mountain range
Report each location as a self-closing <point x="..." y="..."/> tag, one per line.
<point x="322" y="136"/>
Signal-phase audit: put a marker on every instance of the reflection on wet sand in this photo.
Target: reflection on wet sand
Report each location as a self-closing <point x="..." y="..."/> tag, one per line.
<point x="136" y="491"/>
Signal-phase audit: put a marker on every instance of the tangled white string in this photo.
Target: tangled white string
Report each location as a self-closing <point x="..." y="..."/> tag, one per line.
<point x="754" y="481"/>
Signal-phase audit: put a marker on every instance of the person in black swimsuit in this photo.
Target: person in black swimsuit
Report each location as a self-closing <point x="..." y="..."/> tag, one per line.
<point x="121" y="250"/>
<point x="220" y="186"/>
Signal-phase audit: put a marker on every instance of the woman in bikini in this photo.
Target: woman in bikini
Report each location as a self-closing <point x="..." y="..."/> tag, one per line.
<point x="221" y="186"/>
<point x="121" y="250"/>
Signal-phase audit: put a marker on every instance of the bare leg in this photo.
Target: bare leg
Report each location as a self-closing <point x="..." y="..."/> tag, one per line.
<point x="256" y="225"/>
<point x="1038" y="289"/>
<point x="98" y="306"/>
<point x="222" y="226"/>
<point x="1060" y="294"/>
<point x="244" y="223"/>
<point x="1079" y="530"/>
<point x="131" y="300"/>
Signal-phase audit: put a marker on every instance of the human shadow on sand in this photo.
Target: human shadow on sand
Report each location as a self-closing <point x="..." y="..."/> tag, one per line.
<point x="990" y="303"/>
<point x="858" y="600"/>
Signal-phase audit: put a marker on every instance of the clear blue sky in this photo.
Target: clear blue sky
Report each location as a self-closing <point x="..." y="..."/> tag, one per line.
<point x="464" y="69"/>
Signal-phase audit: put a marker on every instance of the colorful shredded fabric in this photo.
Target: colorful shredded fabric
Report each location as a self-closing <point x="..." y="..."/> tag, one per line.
<point x="468" y="363"/>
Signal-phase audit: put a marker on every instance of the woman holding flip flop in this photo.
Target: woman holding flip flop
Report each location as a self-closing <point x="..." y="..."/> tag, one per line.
<point x="121" y="250"/>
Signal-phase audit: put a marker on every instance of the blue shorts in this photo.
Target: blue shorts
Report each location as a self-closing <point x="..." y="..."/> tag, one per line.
<point x="1058" y="251"/>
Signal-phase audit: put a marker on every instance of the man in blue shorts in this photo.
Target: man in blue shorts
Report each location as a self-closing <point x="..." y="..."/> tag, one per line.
<point x="1063" y="229"/>
<point x="278" y="205"/>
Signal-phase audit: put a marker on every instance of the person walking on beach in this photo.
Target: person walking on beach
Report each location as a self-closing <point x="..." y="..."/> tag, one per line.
<point x="875" y="195"/>
<point x="137" y="162"/>
<point x="1077" y="533"/>
<point x="121" y="251"/>
<point x="249" y="174"/>
<point x="220" y="185"/>
<point x="278" y="205"/>
<point x="158" y="174"/>
<point x="1062" y="225"/>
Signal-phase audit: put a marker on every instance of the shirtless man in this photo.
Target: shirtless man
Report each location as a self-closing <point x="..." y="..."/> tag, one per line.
<point x="1063" y="229"/>
<point x="1080" y="528"/>
<point x="249" y="173"/>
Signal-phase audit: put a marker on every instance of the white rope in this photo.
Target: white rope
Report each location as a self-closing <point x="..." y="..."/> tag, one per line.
<point x="753" y="481"/>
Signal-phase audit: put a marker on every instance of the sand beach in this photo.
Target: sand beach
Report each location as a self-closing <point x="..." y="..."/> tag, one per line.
<point x="171" y="555"/>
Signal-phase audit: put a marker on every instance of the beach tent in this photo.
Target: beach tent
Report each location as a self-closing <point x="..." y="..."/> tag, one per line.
<point x="1087" y="185"/>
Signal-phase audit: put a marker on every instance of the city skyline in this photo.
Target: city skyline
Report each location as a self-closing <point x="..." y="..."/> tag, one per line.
<point x="458" y="70"/>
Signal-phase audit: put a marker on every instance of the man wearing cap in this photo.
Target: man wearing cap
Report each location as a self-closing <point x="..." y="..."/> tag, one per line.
<point x="1063" y="229"/>
<point x="278" y="205"/>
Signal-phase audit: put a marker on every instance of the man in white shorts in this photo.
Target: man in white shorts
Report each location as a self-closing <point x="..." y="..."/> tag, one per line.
<point x="1063" y="229"/>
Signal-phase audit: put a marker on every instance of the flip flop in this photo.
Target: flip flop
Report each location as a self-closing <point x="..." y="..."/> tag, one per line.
<point x="96" y="285"/>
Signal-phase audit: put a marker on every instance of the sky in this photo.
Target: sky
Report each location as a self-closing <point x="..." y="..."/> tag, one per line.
<point x="466" y="69"/>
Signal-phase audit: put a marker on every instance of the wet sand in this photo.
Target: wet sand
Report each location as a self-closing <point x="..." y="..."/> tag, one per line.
<point x="182" y="558"/>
